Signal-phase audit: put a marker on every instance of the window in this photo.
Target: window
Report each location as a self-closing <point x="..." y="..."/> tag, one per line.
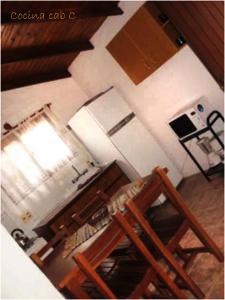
<point x="32" y="153"/>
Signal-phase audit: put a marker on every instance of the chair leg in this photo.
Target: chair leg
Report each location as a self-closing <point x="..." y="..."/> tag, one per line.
<point x="184" y="256"/>
<point x="174" y="241"/>
<point x="36" y="259"/>
<point x="148" y="256"/>
<point x="148" y="294"/>
<point x="180" y="204"/>
<point x="93" y="276"/>
<point x="163" y="250"/>
<point x="73" y="287"/>
<point x="163" y="292"/>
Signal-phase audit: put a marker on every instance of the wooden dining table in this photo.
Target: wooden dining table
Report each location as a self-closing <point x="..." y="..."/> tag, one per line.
<point x="57" y="265"/>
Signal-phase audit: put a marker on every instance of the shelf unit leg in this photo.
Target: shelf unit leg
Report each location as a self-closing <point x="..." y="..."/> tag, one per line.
<point x="195" y="161"/>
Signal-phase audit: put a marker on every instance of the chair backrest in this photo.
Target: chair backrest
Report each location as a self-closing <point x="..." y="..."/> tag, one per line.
<point x="178" y="202"/>
<point x="151" y="191"/>
<point x="105" y="244"/>
<point x="99" y="250"/>
<point x="162" y="249"/>
<point x="118" y="230"/>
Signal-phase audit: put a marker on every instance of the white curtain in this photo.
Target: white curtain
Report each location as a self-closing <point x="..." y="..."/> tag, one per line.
<point x="33" y="152"/>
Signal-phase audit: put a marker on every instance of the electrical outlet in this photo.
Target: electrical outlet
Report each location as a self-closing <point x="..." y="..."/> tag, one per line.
<point x="26" y="217"/>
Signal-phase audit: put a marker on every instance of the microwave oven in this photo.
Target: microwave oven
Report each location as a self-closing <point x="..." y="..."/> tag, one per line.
<point x="190" y="120"/>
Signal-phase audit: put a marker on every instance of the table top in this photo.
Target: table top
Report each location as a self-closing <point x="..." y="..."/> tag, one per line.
<point x="116" y="202"/>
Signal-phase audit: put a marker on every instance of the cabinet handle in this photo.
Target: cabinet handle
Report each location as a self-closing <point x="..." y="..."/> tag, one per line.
<point x="61" y="226"/>
<point x="73" y="215"/>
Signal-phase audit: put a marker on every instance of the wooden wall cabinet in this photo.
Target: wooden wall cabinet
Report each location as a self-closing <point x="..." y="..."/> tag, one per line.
<point x="144" y="43"/>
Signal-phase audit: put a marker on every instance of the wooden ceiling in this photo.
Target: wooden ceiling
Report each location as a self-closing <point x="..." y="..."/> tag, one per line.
<point x="37" y="50"/>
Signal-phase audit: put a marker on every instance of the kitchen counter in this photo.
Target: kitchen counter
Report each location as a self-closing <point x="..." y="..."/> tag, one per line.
<point x="108" y="179"/>
<point x="94" y="172"/>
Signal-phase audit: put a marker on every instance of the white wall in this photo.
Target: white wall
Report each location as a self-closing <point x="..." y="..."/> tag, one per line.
<point x="178" y="82"/>
<point x="20" y="277"/>
<point x="64" y="94"/>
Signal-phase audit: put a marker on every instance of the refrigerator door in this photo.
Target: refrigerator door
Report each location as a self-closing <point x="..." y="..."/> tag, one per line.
<point x="98" y="143"/>
<point x="109" y="109"/>
<point x="142" y="151"/>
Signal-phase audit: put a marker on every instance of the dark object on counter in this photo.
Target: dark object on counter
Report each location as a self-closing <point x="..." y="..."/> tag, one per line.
<point x="163" y="18"/>
<point x="22" y="240"/>
<point x="180" y="41"/>
<point x="101" y="214"/>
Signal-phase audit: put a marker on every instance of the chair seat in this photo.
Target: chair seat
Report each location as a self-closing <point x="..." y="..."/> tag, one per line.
<point x="165" y="220"/>
<point x="121" y="276"/>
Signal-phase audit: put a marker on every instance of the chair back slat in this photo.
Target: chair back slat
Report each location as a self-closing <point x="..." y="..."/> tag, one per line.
<point x="149" y="193"/>
<point x="104" y="244"/>
<point x="85" y="266"/>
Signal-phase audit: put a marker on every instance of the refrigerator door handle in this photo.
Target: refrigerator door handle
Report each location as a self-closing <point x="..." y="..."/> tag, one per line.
<point x="121" y="124"/>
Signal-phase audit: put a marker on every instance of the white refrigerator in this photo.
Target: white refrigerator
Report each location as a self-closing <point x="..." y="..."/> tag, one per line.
<point x="111" y="131"/>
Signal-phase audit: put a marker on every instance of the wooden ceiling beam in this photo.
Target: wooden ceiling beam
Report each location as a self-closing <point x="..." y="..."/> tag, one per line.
<point x="36" y="11"/>
<point x="37" y="78"/>
<point x="35" y="52"/>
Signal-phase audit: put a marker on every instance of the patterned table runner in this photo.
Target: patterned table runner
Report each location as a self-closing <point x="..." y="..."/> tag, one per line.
<point x="87" y="231"/>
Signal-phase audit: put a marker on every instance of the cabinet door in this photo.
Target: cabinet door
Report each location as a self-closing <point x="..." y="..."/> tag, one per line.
<point x="150" y="38"/>
<point x="128" y="55"/>
<point x="141" y="46"/>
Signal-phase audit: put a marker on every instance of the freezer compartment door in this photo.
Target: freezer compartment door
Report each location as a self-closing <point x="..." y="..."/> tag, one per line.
<point x="109" y="109"/>
<point x="142" y="151"/>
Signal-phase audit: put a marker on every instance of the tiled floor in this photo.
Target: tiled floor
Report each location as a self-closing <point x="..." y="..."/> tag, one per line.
<point x="206" y="201"/>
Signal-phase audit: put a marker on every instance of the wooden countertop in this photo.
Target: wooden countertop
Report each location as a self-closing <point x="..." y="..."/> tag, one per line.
<point x="67" y="202"/>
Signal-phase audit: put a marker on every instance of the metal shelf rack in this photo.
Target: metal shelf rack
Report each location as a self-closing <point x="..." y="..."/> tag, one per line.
<point x="211" y="119"/>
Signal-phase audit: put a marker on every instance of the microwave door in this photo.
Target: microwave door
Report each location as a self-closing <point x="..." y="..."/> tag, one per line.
<point x="183" y="126"/>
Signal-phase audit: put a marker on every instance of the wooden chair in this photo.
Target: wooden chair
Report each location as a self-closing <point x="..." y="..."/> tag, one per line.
<point x="158" y="184"/>
<point x="190" y="221"/>
<point x="54" y="242"/>
<point x="124" y="277"/>
<point x="164" y="252"/>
